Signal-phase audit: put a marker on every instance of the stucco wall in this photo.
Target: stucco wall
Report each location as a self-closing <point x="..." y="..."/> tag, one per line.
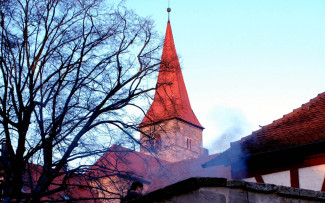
<point x="311" y="178"/>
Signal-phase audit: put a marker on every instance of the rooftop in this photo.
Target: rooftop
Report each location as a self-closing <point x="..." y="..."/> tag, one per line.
<point x="302" y="128"/>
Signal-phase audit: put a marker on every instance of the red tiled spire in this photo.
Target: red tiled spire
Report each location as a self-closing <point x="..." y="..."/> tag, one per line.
<point x="171" y="99"/>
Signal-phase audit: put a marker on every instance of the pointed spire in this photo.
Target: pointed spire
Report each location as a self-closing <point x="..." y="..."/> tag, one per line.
<point x="171" y="98"/>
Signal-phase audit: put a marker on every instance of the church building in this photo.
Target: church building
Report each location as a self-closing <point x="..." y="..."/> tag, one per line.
<point x="170" y="127"/>
<point x="171" y="138"/>
<point x="289" y="152"/>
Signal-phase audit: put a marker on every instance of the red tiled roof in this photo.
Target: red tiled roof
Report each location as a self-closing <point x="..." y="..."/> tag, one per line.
<point x="77" y="186"/>
<point x="152" y="171"/>
<point x="171" y="99"/>
<point x="122" y="161"/>
<point x="305" y="125"/>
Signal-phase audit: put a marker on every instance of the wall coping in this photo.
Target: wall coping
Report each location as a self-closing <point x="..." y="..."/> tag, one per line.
<point x="196" y="183"/>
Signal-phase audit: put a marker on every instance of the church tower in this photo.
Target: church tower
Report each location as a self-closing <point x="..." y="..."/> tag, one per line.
<point x="171" y="129"/>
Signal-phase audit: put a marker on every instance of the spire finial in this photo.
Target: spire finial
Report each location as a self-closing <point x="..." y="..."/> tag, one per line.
<point x="168" y="10"/>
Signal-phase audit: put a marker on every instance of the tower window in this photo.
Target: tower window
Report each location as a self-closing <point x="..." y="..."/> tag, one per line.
<point x="189" y="143"/>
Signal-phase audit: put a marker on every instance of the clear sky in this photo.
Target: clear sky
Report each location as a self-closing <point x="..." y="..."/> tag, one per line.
<point x="245" y="62"/>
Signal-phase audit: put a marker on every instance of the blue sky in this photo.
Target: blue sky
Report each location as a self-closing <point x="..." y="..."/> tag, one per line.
<point x="245" y="63"/>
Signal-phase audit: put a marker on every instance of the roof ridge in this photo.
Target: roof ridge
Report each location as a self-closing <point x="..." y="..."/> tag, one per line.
<point x="303" y="125"/>
<point x="296" y="110"/>
<point x="287" y="116"/>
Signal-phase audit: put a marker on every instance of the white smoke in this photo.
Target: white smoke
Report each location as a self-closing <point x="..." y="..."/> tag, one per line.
<point x="229" y="125"/>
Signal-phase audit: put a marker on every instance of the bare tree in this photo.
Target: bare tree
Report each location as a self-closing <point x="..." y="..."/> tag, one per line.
<point x="71" y="73"/>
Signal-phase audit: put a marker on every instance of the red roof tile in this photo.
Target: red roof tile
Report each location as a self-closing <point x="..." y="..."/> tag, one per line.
<point x="171" y="99"/>
<point x="304" y="125"/>
<point x="77" y="186"/>
<point x="122" y="161"/>
<point x="302" y="129"/>
<point x="152" y="171"/>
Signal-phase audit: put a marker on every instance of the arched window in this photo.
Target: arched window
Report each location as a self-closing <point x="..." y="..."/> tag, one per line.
<point x="189" y="143"/>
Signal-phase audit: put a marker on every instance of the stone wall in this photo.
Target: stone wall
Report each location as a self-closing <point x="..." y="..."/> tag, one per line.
<point x="173" y="143"/>
<point x="201" y="190"/>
